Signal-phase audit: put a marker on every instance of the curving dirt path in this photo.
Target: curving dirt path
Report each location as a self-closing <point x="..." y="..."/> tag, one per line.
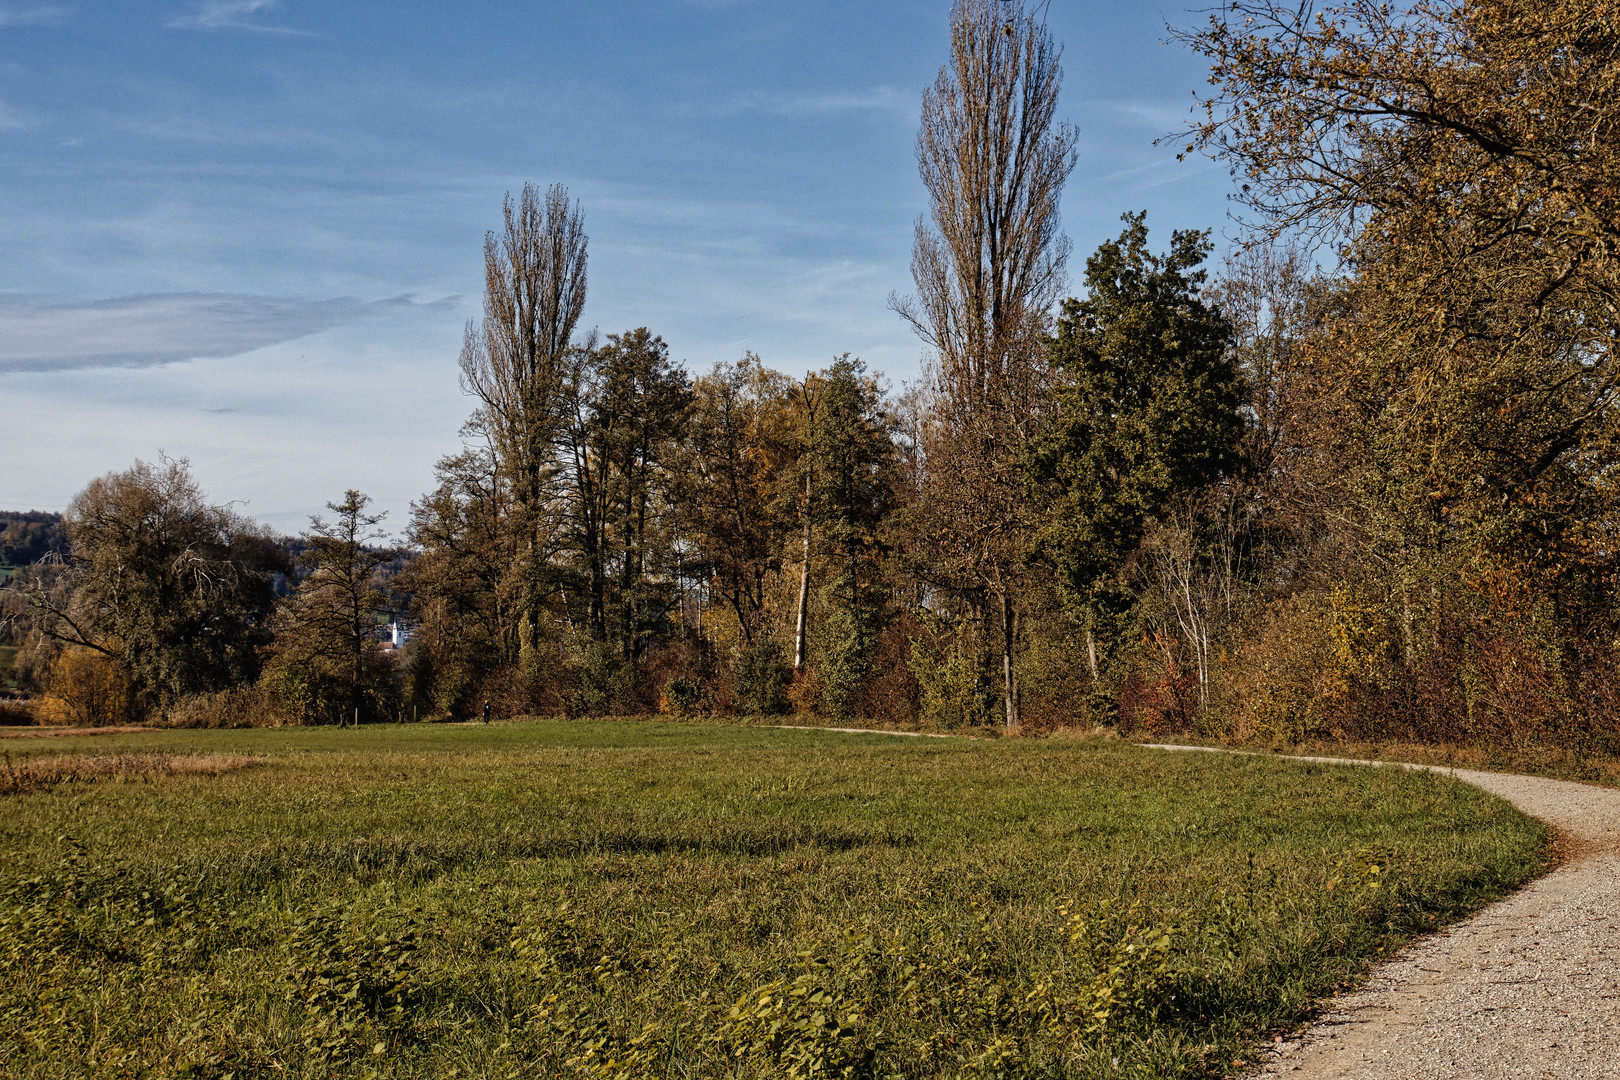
<point x="1528" y="988"/>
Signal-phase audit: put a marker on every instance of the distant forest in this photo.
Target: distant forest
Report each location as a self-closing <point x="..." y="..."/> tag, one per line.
<point x="1355" y="479"/>
<point x="30" y="537"/>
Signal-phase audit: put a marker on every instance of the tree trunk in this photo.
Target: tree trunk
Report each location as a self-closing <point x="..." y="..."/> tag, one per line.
<point x="804" y="600"/>
<point x="528" y="620"/>
<point x="1091" y="657"/>
<point x="1009" y="681"/>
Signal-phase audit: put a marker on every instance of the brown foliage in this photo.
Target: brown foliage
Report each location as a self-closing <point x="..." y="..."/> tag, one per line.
<point x="1281" y="683"/>
<point x="511" y="691"/>
<point x="1160" y="696"/>
<point x="238" y="707"/>
<point x="891" y="694"/>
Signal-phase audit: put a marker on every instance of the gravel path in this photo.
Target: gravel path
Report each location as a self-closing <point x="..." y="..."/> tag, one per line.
<point x="1529" y="987"/>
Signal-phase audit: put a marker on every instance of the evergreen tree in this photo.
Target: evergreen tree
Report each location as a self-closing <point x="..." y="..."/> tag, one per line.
<point x="1149" y="410"/>
<point x="847" y="467"/>
<point x="326" y="665"/>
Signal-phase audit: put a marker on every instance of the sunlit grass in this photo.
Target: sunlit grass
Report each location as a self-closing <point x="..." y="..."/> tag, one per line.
<point x="649" y="899"/>
<point x="35" y="771"/>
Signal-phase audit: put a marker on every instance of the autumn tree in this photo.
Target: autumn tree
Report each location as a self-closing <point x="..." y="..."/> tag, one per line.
<point x="517" y="362"/>
<point x="460" y="580"/>
<point x="739" y="442"/>
<point x="173" y="589"/>
<point x="988" y="262"/>
<point x="628" y="405"/>
<point x="1465" y="154"/>
<point x="1214" y="555"/>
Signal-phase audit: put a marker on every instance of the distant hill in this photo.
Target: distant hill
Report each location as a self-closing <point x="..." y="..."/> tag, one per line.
<point x="26" y="537"/>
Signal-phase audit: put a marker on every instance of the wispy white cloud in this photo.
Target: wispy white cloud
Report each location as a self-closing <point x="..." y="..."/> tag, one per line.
<point x="32" y="14"/>
<point x="1158" y="116"/>
<point x="1145" y="177"/>
<point x="11" y="119"/>
<point x="231" y="15"/>
<point x="876" y="99"/>
<point x="46" y="334"/>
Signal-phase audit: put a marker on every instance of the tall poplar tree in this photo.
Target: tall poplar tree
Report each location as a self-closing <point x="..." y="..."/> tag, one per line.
<point x="516" y="360"/>
<point x="988" y="262"/>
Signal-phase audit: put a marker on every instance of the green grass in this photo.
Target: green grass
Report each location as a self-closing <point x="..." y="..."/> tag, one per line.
<point x="648" y="899"/>
<point x="1554" y="758"/>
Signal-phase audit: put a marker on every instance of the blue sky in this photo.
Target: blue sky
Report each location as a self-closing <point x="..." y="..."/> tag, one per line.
<point x="249" y="232"/>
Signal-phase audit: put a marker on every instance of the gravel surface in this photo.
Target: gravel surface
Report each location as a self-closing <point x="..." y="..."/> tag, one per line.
<point x="1529" y="987"/>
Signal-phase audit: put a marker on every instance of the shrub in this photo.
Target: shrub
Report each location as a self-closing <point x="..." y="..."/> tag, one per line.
<point x="947" y="673"/>
<point x="892" y="694"/>
<point x="317" y="690"/>
<point x="687" y="657"/>
<point x="602" y="680"/>
<point x="842" y="651"/>
<point x="1056" y="689"/>
<point x="237" y="707"/>
<point x="763" y="678"/>
<point x="87" y="689"/>
<point x="1283" y="682"/>
<point x="805" y="691"/>
<point x="1160" y="695"/>
<point x="685" y="695"/>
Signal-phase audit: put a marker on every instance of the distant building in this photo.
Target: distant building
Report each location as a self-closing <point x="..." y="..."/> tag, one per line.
<point x="399" y="634"/>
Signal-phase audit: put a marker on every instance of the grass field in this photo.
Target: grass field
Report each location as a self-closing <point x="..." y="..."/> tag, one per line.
<point x="1557" y="759"/>
<point x="645" y="899"/>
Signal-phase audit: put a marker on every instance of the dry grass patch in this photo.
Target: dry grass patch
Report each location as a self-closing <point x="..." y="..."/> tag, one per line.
<point x="29" y="774"/>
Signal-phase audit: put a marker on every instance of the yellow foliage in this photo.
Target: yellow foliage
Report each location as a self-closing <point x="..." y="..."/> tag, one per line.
<point x="1360" y="641"/>
<point x="721" y="629"/>
<point x="87" y="689"/>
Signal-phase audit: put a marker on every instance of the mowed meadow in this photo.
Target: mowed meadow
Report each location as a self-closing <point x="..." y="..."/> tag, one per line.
<point x="649" y="899"/>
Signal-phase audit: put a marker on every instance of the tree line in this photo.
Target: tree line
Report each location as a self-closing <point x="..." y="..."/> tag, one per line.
<point x="1354" y="480"/>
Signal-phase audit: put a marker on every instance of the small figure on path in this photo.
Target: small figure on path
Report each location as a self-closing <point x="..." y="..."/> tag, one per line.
<point x="486" y="712"/>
